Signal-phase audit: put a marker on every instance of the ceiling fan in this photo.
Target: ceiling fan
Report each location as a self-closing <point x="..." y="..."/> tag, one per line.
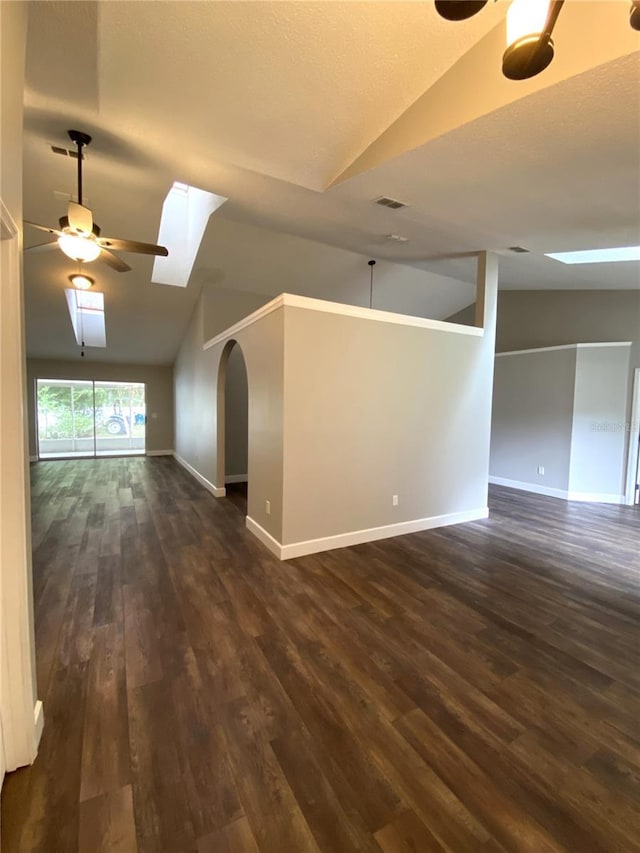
<point x="79" y="236"/>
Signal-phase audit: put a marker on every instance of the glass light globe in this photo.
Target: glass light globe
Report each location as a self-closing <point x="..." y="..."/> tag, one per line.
<point x="526" y="18"/>
<point x="79" y="248"/>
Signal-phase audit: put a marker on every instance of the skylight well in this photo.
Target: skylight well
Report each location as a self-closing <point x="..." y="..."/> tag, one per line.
<point x="597" y="256"/>
<point x="86" y="309"/>
<point x="185" y="213"/>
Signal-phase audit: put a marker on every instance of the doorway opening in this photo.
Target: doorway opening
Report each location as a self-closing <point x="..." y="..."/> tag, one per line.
<point x="87" y="418"/>
<point x="633" y="460"/>
<point x="233" y="426"/>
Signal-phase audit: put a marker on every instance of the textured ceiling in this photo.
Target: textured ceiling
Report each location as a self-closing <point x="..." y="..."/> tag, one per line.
<point x="270" y="103"/>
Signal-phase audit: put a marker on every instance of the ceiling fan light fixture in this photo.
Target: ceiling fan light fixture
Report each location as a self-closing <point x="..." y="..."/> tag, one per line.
<point x="526" y="18"/>
<point x="529" y="44"/>
<point x="79" y="248"/>
<point x="81" y="282"/>
<point x="459" y="10"/>
<point x="527" y="57"/>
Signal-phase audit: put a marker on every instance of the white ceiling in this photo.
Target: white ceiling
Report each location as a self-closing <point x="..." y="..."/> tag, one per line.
<point x="302" y="114"/>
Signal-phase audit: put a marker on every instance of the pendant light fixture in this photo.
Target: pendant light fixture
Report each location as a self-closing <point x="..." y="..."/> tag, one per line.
<point x="529" y="43"/>
<point x="81" y="281"/>
<point x="372" y="264"/>
<point x="529" y="26"/>
<point x="459" y="10"/>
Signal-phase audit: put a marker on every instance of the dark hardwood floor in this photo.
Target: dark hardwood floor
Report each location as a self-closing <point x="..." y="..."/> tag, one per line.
<point x="473" y="688"/>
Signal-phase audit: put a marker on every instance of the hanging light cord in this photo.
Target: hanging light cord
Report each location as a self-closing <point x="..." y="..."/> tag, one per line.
<point x="372" y="264"/>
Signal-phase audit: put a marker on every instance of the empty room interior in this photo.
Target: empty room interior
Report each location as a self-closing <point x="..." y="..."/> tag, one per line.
<point x="320" y="426"/>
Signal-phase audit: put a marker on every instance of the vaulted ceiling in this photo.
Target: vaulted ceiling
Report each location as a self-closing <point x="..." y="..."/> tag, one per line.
<point x="302" y="113"/>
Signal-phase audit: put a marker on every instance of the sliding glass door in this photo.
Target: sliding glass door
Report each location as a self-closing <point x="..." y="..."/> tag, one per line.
<point x="65" y="418"/>
<point x="87" y="418"/>
<point x="120" y="418"/>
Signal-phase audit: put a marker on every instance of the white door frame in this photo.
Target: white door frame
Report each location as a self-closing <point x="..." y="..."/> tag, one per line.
<point x="20" y="714"/>
<point x="634" y="428"/>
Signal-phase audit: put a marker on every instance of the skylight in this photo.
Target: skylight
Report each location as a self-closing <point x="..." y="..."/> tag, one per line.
<point x="598" y="256"/>
<point x="86" y="309"/>
<point x="185" y="213"/>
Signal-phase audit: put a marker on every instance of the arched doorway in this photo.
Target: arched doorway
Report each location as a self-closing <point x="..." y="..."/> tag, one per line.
<point x="233" y="425"/>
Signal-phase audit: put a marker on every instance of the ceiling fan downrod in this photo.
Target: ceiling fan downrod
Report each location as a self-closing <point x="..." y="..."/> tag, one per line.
<point x="81" y="139"/>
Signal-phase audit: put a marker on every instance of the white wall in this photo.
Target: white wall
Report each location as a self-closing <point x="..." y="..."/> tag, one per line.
<point x="376" y="409"/>
<point x="195" y="393"/>
<point x="563" y="409"/>
<point x="598" y="436"/>
<point x="346" y="408"/>
<point x="199" y="406"/>
<point x="545" y="318"/>
<point x="533" y="416"/>
<point x="19" y="713"/>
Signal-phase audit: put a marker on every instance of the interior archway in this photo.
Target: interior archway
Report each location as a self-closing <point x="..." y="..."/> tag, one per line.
<point x="233" y="425"/>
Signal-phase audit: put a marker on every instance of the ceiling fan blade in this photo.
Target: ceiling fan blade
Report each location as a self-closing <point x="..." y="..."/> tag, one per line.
<point x="132" y="246"/>
<point x="43" y="228"/>
<point x="113" y="261"/>
<point x="80" y="218"/>
<point x="41" y="247"/>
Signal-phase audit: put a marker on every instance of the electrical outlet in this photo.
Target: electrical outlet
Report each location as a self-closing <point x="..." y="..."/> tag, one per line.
<point x="394" y="500"/>
<point x="267" y="507"/>
<point x="541" y="470"/>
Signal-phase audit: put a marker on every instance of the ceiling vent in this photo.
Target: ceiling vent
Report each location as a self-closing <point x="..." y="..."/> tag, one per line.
<point x="518" y="250"/>
<point x="397" y="238"/>
<point x="65" y="152"/>
<point x="393" y="203"/>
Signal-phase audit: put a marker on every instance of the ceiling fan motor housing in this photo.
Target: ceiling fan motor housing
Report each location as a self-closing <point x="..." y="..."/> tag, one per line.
<point x="79" y="220"/>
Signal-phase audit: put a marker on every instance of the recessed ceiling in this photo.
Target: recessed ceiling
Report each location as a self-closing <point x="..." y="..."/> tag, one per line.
<point x="270" y="103"/>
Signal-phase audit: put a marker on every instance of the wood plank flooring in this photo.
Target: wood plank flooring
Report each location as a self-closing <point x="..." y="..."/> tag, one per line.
<point x="473" y="688"/>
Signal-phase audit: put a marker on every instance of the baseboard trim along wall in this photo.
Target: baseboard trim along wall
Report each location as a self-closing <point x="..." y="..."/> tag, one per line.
<point x="358" y="537"/>
<point x="266" y="538"/>
<point x="564" y="494"/>
<point x="597" y="497"/>
<point x="236" y="478"/>
<point x="33" y="459"/>
<point x="159" y="453"/>
<point x="536" y="488"/>
<point x="216" y="491"/>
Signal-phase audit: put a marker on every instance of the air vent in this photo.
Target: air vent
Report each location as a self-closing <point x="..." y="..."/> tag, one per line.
<point x="393" y="203"/>
<point x="65" y="152"/>
<point x="518" y="250"/>
<point x="397" y="238"/>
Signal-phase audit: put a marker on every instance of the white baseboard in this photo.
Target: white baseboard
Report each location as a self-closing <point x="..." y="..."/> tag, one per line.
<point x="33" y="459"/>
<point x="38" y="721"/>
<point x="236" y="478"/>
<point x="216" y="491"/>
<point x="536" y="488"/>
<point x="266" y="538"/>
<point x="159" y="453"/>
<point x="358" y="537"/>
<point x="597" y="497"/>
